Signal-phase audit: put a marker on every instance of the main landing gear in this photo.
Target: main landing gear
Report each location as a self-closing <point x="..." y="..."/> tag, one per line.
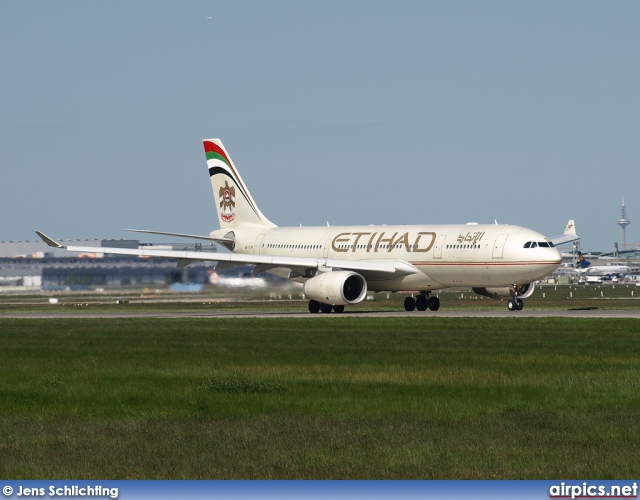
<point x="315" y="306"/>
<point x="422" y="303"/>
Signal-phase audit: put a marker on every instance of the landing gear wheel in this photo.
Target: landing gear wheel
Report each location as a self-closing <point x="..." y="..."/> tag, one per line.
<point x="314" y="306"/>
<point x="433" y="303"/>
<point x="421" y="303"/>
<point x="338" y="309"/>
<point x="325" y="308"/>
<point x="409" y="304"/>
<point x="515" y="305"/>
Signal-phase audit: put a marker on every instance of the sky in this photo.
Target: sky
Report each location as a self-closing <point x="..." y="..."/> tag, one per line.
<point x="347" y="112"/>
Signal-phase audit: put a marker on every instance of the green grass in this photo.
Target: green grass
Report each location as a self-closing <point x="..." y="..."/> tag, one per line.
<point x="415" y="397"/>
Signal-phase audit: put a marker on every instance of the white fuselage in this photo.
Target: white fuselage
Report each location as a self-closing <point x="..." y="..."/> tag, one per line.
<point x="612" y="270"/>
<point x="446" y="255"/>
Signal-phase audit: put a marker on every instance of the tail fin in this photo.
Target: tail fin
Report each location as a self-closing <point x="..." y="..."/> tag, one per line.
<point x="568" y="235"/>
<point x="234" y="203"/>
<point x="570" y="229"/>
<point x="582" y="262"/>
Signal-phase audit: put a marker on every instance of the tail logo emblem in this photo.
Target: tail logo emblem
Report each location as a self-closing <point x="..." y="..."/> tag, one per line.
<point x="227" y="202"/>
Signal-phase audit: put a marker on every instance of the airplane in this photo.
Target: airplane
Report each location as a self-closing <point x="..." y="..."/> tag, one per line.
<point x="338" y="265"/>
<point x="608" y="270"/>
<point x="584" y="267"/>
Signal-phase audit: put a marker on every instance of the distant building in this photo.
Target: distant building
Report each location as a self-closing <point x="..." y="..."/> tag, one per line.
<point x="33" y="264"/>
<point x="38" y="249"/>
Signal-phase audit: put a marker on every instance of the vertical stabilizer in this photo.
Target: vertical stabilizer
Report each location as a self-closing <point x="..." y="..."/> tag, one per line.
<point x="234" y="203"/>
<point x="570" y="229"/>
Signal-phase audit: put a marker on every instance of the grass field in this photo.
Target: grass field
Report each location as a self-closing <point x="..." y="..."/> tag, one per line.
<point x="420" y="397"/>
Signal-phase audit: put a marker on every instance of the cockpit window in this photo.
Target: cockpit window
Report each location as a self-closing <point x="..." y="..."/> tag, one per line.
<point x="534" y="245"/>
<point x="527" y="244"/>
<point x="543" y="244"/>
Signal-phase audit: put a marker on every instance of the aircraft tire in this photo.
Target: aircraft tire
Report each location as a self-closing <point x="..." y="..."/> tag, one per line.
<point x="519" y="305"/>
<point x="338" y="309"/>
<point x="326" y="308"/>
<point x="409" y="304"/>
<point x="314" y="306"/>
<point x="511" y="305"/>
<point x="433" y="303"/>
<point x="421" y="303"/>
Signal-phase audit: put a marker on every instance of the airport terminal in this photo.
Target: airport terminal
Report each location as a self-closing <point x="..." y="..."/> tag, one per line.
<point x="27" y="266"/>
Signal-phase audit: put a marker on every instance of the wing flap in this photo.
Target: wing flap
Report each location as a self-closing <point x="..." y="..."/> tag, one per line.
<point x="222" y="241"/>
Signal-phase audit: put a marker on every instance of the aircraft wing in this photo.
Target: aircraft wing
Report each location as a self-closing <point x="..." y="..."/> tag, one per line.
<point x="299" y="265"/>
<point x="568" y="235"/>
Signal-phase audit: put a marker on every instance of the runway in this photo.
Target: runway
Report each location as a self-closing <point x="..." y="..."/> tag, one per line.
<point x="567" y="313"/>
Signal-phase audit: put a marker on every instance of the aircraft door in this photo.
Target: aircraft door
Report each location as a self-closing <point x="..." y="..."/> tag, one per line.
<point x="498" y="246"/>
<point x="325" y="253"/>
<point x="437" y="249"/>
<point x="258" y="245"/>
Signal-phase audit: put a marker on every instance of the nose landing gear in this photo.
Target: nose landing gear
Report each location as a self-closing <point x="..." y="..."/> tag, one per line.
<point x="515" y="304"/>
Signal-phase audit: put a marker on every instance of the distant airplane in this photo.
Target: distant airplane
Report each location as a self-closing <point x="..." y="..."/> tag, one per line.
<point x="568" y="236"/>
<point x="584" y="267"/>
<point x="339" y="265"/>
<point x="582" y="262"/>
<point x="607" y="270"/>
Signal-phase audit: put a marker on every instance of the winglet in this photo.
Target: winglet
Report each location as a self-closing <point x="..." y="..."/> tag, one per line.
<point x="49" y="241"/>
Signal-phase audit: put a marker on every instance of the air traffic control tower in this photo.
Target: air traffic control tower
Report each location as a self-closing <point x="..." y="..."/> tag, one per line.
<point x="623" y="222"/>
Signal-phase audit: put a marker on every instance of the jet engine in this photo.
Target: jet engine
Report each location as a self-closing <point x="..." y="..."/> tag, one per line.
<point x="524" y="291"/>
<point x="336" y="287"/>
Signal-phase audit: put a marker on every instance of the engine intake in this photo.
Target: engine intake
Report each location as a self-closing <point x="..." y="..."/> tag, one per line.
<point x="524" y="291"/>
<point x="336" y="288"/>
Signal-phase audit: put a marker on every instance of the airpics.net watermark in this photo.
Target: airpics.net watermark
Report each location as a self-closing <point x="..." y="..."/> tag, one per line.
<point x="61" y="491"/>
<point x="586" y="490"/>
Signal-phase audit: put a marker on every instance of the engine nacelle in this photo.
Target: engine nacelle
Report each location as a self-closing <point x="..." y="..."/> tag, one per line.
<point x="524" y="291"/>
<point x="336" y="288"/>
